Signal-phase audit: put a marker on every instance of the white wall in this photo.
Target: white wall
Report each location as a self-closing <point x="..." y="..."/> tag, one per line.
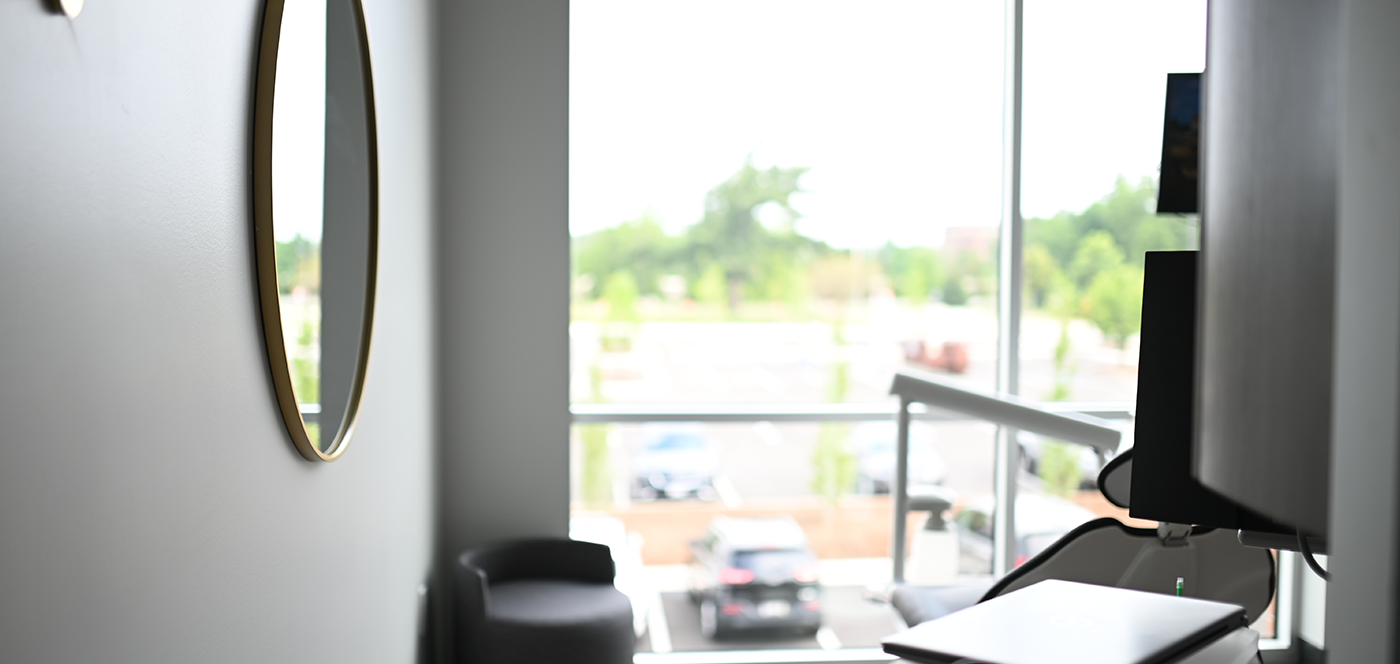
<point x="1362" y="603"/>
<point x="152" y="508"/>
<point x="504" y="269"/>
<point x="503" y="255"/>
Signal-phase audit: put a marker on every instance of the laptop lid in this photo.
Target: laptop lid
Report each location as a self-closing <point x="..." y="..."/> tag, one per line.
<point x="1061" y="622"/>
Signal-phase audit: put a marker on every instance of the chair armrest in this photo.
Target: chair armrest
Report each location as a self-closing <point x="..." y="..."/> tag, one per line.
<point x="473" y="602"/>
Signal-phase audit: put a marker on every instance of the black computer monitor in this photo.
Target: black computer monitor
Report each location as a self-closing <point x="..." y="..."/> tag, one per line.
<point x="1179" y="186"/>
<point x="1164" y="487"/>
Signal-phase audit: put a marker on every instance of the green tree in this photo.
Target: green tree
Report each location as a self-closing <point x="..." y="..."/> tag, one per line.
<point x="1059" y="468"/>
<point x="1064" y="302"/>
<point x="972" y="274"/>
<point x="1041" y="271"/>
<point x="1063" y="299"/>
<point x="833" y="461"/>
<point x="595" y="481"/>
<point x="306" y="369"/>
<point x="1059" y="463"/>
<point x="620" y="291"/>
<point x="953" y="293"/>
<point x="620" y="325"/>
<point x="710" y="287"/>
<point x="639" y="246"/>
<point x="755" y="261"/>
<point x="1115" y="303"/>
<point x="730" y="235"/>
<point x="1064" y="367"/>
<point x="1097" y="253"/>
<point x="1058" y="234"/>
<point x="298" y="264"/>
<point x="1126" y="214"/>
<point x="783" y="280"/>
<point x="915" y="272"/>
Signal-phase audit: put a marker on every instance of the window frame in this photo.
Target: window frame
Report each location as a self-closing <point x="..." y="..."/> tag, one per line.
<point x="1009" y="304"/>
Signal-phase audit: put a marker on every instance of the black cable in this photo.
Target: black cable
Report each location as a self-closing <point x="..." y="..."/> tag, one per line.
<point x="1309" y="559"/>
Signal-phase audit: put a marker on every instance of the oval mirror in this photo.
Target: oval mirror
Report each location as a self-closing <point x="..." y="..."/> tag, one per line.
<point x="315" y="226"/>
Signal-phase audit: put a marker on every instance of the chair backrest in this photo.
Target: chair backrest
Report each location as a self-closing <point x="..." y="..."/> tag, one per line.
<point x="1211" y="563"/>
<point x="542" y="558"/>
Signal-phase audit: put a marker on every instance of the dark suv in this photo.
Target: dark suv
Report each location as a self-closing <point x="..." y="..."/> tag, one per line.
<point x="755" y="574"/>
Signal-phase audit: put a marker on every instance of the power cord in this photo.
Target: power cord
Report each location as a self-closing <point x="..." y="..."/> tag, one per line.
<point x="1309" y="559"/>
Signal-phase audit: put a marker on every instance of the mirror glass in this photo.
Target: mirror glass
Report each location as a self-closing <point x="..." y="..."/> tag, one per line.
<point x="316" y="226"/>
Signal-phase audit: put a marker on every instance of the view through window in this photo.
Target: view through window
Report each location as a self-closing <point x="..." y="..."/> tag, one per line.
<point x="777" y="205"/>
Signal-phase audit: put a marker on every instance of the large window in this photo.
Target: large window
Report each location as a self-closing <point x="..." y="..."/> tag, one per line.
<point x="777" y="205"/>
<point x="1094" y="88"/>
<point x="773" y="205"/>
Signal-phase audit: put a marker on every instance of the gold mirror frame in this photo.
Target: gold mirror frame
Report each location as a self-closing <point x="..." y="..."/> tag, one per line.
<point x="69" y="8"/>
<point x="264" y="240"/>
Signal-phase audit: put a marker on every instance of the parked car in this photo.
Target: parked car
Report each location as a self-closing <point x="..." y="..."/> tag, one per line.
<point x="1041" y="519"/>
<point x="874" y="443"/>
<point x="749" y="574"/>
<point x="674" y="461"/>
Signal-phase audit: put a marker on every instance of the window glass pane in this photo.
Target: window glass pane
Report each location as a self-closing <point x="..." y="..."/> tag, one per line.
<point x="778" y="201"/>
<point x="782" y="201"/>
<point x="1094" y="87"/>
<point x="1095" y="77"/>
<point x="796" y="514"/>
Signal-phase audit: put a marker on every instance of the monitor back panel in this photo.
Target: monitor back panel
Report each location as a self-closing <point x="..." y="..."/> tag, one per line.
<point x="1164" y="487"/>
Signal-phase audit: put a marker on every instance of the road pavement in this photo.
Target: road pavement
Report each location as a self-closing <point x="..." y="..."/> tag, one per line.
<point x="849" y="621"/>
<point x="785" y="362"/>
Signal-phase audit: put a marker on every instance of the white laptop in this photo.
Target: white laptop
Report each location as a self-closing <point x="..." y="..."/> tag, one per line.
<point x="1060" y="622"/>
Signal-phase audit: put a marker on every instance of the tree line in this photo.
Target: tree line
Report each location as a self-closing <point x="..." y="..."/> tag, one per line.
<point x="747" y="248"/>
<point x="1077" y="265"/>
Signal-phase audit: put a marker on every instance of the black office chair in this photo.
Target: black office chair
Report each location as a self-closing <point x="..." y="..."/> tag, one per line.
<point x="541" y="601"/>
<point x="1211" y="563"/>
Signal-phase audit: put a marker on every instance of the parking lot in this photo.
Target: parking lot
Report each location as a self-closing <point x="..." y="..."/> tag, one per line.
<point x="766" y="469"/>
<point x="849" y="621"/>
<point x="850" y="618"/>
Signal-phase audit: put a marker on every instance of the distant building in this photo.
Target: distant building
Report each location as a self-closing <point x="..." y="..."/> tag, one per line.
<point x="981" y="241"/>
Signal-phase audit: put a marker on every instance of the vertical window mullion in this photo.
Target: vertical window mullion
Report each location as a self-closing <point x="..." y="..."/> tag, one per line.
<point x="1009" y="292"/>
